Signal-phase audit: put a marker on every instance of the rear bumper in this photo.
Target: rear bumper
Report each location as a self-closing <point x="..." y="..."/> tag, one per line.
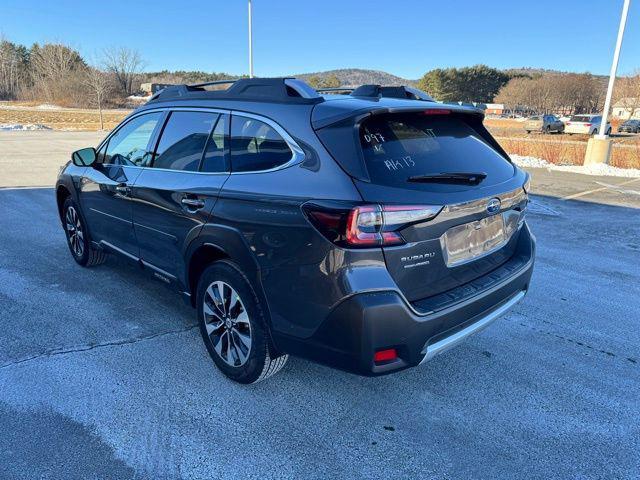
<point x="368" y="322"/>
<point x="432" y="349"/>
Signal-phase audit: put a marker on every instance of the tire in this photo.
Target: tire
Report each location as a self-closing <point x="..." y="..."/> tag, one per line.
<point x="235" y="331"/>
<point x="78" y="239"/>
<point x="528" y="132"/>
<point x="546" y="130"/>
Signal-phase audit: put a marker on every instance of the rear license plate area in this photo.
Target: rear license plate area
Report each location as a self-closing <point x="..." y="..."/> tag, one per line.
<point x="467" y="242"/>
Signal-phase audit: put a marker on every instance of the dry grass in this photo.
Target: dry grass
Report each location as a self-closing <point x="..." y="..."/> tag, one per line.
<point x="571" y="153"/>
<point x="66" y="119"/>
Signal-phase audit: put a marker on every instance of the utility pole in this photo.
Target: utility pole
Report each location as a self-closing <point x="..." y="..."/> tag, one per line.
<point x="599" y="147"/>
<point x="251" y="42"/>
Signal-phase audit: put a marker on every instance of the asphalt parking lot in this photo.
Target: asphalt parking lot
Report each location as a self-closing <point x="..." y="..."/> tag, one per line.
<point x="103" y="373"/>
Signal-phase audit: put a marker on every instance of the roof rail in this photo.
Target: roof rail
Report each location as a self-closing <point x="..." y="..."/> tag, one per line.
<point x="346" y="90"/>
<point x="379" y="91"/>
<point x="284" y="89"/>
<point x="214" y="82"/>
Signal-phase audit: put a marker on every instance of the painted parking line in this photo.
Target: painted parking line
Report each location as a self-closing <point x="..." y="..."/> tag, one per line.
<point x="25" y="187"/>
<point x="601" y="189"/>
<point x="619" y="190"/>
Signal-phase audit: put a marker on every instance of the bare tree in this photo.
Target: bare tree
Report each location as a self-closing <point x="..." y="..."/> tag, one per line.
<point x="566" y="93"/>
<point x="125" y="64"/>
<point x="627" y="93"/>
<point x="54" y="67"/>
<point x="99" y="85"/>
<point x="13" y="68"/>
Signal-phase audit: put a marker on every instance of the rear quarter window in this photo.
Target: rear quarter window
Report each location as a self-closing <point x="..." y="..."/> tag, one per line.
<point x="399" y="146"/>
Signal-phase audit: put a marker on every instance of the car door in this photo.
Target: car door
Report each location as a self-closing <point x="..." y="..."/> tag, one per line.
<point x="174" y="196"/>
<point x="105" y="188"/>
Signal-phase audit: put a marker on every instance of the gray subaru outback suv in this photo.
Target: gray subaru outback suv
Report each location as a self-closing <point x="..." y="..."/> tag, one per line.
<point x="368" y="231"/>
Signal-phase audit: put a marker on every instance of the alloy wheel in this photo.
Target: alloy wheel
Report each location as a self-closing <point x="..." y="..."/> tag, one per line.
<point x="227" y="323"/>
<point x="75" y="232"/>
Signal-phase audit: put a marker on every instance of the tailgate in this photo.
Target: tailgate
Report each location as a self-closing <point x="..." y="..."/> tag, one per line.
<point x="463" y="243"/>
<point x="445" y="160"/>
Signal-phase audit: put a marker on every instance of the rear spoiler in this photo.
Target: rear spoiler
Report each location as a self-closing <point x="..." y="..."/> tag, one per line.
<point x="359" y="114"/>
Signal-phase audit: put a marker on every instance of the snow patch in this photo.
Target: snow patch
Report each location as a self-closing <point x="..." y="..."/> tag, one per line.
<point x="598" y="169"/>
<point x="22" y="127"/>
<point x="47" y="106"/>
<point x="138" y="98"/>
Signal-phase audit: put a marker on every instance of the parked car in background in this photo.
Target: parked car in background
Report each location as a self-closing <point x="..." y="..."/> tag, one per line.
<point x="585" y="125"/>
<point x="544" y="124"/>
<point x="291" y="235"/>
<point x="630" y="126"/>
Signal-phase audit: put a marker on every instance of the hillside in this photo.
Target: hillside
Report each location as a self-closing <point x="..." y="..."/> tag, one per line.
<point x="359" y="76"/>
<point x="347" y="77"/>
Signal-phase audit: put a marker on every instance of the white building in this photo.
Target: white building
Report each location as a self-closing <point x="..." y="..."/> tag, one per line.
<point x="622" y="109"/>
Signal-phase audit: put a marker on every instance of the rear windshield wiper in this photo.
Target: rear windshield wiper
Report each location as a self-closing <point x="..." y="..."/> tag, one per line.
<point x="465" y="178"/>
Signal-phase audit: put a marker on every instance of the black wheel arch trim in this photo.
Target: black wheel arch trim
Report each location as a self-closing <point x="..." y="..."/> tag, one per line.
<point x="235" y="248"/>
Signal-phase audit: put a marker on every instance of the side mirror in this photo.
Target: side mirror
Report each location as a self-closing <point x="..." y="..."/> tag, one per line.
<point x="84" y="157"/>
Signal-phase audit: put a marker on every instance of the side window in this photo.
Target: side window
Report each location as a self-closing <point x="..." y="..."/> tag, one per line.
<point x="128" y="146"/>
<point x="256" y="146"/>
<point x="214" y="159"/>
<point x="183" y="139"/>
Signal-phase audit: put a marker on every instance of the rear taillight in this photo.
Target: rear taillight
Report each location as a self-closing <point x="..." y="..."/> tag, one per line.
<point x="587" y="124"/>
<point x="368" y="226"/>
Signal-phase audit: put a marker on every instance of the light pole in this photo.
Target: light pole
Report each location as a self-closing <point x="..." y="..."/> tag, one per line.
<point x="602" y="133"/>
<point x="599" y="147"/>
<point x="251" y="43"/>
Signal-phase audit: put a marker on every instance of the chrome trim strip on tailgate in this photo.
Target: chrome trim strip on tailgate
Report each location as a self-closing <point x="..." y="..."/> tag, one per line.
<point x="440" y="346"/>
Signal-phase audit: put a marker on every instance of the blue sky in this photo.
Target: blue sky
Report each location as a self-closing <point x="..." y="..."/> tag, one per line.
<point x="404" y="37"/>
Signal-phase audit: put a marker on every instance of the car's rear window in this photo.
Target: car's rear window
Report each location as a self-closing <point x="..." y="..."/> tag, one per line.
<point x="399" y="146"/>
<point x="580" y="118"/>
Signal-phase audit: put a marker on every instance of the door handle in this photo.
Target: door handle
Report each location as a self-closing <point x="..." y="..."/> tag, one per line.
<point x="192" y="203"/>
<point x="123" y="189"/>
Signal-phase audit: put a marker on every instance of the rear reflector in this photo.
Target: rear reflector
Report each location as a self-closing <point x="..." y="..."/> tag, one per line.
<point x="385" y="355"/>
